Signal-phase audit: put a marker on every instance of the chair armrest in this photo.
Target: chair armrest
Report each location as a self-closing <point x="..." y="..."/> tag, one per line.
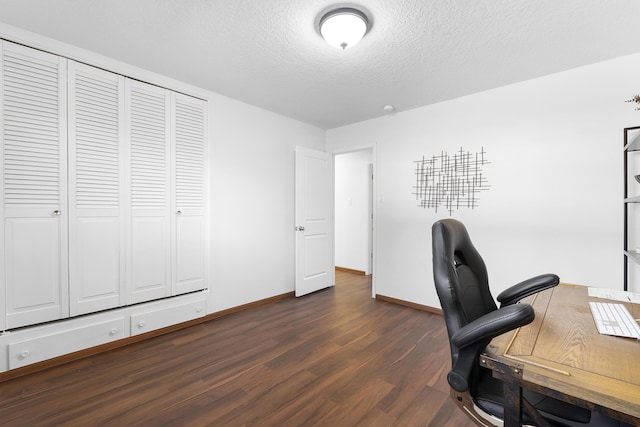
<point x="526" y="288"/>
<point x="471" y="339"/>
<point x="493" y="324"/>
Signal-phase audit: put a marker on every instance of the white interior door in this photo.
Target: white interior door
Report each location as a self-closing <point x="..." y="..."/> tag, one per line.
<point x="189" y="154"/>
<point x="96" y="181"/>
<point x="149" y="258"/>
<point x="33" y="132"/>
<point x="314" y="221"/>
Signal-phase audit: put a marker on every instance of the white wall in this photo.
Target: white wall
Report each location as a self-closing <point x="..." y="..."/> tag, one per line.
<point x="555" y="202"/>
<point x="554" y="205"/>
<point x="352" y="209"/>
<point x="252" y="189"/>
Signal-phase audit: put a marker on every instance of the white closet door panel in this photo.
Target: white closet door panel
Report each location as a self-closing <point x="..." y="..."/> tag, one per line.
<point x="34" y="185"/>
<point x="148" y="136"/>
<point x="33" y="271"/>
<point x="190" y="153"/>
<point x="96" y="268"/>
<point x="149" y="264"/>
<point x="33" y="128"/>
<point x="189" y="144"/>
<point x="190" y="254"/>
<point x="96" y="189"/>
<point x="149" y="145"/>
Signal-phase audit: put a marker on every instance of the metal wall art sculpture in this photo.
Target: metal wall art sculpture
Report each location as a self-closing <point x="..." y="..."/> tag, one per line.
<point x="450" y="181"/>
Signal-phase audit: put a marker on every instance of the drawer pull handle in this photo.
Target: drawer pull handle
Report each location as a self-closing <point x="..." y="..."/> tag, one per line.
<point x="24" y="355"/>
<point x="141" y="324"/>
<point x="198" y="309"/>
<point x="113" y="331"/>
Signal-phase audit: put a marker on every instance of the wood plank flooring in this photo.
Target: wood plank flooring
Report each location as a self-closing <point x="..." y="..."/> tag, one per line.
<point x="335" y="358"/>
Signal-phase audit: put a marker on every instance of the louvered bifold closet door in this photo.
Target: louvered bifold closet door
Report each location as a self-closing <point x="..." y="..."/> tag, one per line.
<point x="96" y="189"/>
<point x="189" y="143"/>
<point x="148" y="240"/>
<point x="34" y="187"/>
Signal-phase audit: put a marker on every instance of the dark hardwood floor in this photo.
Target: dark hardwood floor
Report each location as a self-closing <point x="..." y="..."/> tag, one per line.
<point x="336" y="358"/>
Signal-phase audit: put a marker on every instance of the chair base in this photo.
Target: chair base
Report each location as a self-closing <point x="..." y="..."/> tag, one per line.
<point x="465" y="402"/>
<point x="477" y="415"/>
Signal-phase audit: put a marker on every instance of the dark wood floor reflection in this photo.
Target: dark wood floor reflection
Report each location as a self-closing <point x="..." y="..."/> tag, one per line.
<point x="336" y="357"/>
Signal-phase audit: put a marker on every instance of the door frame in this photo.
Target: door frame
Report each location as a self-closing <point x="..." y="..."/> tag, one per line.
<point x="374" y="204"/>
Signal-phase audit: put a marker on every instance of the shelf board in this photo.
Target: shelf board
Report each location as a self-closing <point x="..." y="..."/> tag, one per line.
<point x="633" y="255"/>
<point x="634" y="143"/>
<point x="635" y="199"/>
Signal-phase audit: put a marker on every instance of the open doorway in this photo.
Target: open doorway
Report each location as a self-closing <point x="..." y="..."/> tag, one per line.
<point x="354" y="211"/>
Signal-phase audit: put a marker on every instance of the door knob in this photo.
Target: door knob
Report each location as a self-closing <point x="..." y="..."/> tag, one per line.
<point x="301" y="228"/>
<point x="57" y="212"/>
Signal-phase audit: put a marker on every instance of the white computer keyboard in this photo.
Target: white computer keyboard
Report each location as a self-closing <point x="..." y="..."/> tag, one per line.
<point x="614" y="319"/>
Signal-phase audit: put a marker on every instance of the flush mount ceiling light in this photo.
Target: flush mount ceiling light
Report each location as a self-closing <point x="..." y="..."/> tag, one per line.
<point x="343" y="27"/>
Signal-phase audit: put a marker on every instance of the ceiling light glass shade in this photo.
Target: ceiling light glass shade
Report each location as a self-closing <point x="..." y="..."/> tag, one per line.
<point x="344" y="27"/>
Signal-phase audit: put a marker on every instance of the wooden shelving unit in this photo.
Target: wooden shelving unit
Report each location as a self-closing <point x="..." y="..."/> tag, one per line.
<point x="631" y="148"/>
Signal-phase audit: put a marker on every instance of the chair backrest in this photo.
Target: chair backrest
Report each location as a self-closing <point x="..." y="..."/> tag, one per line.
<point x="460" y="277"/>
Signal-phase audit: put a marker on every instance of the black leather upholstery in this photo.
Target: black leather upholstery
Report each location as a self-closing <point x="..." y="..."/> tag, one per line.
<point x="473" y="319"/>
<point x="526" y="288"/>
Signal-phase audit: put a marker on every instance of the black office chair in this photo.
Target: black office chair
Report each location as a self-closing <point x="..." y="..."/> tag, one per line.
<point x="473" y="320"/>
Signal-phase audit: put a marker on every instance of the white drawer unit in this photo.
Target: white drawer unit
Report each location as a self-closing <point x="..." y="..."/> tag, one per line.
<point x="104" y="188"/>
<point x="163" y="317"/>
<point x="52" y="345"/>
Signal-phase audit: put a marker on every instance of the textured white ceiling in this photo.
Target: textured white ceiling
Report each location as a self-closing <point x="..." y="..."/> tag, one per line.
<point x="268" y="52"/>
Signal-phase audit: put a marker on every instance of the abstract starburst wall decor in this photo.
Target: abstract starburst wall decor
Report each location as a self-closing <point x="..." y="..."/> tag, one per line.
<point x="450" y="181"/>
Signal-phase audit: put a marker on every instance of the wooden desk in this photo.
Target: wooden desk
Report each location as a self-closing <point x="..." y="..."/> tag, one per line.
<point x="562" y="354"/>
